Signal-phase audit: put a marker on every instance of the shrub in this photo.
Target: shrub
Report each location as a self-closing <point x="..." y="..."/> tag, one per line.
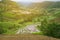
<point x="50" y="29"/>
<point x="8" y="26"/>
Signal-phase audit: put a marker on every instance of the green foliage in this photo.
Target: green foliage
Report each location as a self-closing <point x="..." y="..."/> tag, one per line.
<point x="37" y="33"/>
<point x="8" y="26"/>
<point x="50" y="29"/>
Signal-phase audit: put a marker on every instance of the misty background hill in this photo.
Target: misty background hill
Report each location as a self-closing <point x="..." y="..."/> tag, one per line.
<point x="45" y="4"/>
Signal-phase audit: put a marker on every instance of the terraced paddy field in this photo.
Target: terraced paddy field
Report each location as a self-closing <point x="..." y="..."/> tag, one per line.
<point x="26" y="37"/>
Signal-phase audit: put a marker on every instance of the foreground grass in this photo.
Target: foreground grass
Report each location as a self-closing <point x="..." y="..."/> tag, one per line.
<point x="26" y="37"/>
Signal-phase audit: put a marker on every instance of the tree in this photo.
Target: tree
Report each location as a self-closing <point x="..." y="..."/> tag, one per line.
<point x="50" y="29"/>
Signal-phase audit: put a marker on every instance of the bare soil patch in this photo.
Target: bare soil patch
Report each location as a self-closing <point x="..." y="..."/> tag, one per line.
<point x="26" y="37"/>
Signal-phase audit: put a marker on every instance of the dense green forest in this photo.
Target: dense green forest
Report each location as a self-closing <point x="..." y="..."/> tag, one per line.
<point x="14" y="16"/>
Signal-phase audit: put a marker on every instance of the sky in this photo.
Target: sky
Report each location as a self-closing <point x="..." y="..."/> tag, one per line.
<point x="34" y="0"/>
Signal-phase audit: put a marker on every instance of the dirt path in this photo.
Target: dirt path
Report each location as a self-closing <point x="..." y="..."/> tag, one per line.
<point x="26" y="37"/>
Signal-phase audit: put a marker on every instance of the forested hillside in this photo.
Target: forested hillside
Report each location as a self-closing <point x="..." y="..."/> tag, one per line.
<point x="9" y="11"/>
<point x="14" y="15"/>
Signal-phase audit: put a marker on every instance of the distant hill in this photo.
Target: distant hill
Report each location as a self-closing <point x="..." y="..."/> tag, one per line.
<point x="13" y="10"/>
<point x="46" y="4"/>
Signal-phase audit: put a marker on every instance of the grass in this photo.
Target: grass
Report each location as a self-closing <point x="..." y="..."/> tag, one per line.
<point x="37" y="33"/>
<point x="26" y="37"/>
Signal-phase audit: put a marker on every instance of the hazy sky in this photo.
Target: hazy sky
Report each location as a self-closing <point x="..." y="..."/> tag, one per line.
<point x="34" y="0"/>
